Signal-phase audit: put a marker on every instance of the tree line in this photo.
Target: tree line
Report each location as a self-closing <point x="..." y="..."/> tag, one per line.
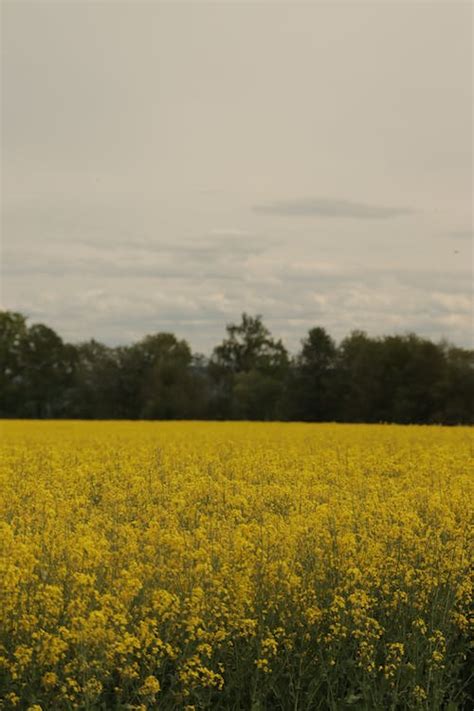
<point x="250" y="375"/>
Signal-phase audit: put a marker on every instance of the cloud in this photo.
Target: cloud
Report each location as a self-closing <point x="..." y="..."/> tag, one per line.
<point x="86" y="279"/>
<point x="462" y="234"/>
<point x="229" y="232"/>
<point x="208" y="258"/>
<point x="119" y="307"/>
<point x="322" y="207"/>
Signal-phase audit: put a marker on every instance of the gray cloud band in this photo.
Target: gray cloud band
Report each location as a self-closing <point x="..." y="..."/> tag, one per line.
<point x="317" y="207"/>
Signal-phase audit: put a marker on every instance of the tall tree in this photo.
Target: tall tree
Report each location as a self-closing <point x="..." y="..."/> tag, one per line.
<point x="357" y="386"/>
<point x="96" y="382"/>
<point x="249" y="368"/>
<point x="13" y="330"/>
<point x="311" y="388"/>
<point x="456" y="390"/>
<point x="48" y="370"/>
<point x="390" y="379"/>
<point x="156" y="379"/>
<point x="410" y="373"/>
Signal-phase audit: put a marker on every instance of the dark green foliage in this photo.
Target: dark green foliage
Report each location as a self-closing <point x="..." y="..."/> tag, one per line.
<point x="157" y="381"/>
<point x="249" y="368"/>
<point x="312" y="386"/>
<point x="36" y="370"/>
<point x="13" y="330"/>
<point x="96" y="376"/>
<point x="405" y="379"/>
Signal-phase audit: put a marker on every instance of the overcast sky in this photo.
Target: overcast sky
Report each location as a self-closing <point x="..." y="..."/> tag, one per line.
<point x="167" y="166"/>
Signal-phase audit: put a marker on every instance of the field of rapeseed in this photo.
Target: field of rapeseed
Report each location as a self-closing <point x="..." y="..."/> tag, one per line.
<point x="234" y="566"/>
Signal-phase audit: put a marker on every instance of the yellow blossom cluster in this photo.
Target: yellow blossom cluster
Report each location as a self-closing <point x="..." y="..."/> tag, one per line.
<point x="234" y="566"/>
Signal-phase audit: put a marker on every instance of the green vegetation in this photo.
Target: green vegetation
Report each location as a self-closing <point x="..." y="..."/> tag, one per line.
<point x="250" y="375"/>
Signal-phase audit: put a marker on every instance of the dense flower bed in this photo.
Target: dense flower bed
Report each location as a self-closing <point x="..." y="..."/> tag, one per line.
<point x="234" y="566"/>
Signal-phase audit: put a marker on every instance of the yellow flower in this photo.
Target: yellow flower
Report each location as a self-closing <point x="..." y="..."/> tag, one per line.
<point x="93" y="688"/>
<point x="213" y="551"/>
<point x="419" y="624"/>
<point x="49" y="680"/>
<point x="419" y="694"/>
<point x="150" y="687"/>
<point x="262" y="664"/>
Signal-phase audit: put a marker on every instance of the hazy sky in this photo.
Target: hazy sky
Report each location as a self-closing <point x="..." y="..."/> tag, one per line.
<point x="168" y="165"/>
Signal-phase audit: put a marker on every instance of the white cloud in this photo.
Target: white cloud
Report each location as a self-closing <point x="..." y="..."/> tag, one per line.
<point x="332" y="208"/>
<point x="137" y="138"/>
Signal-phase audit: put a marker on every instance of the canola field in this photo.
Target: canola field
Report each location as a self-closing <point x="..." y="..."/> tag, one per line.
<point x="234" y="566"/>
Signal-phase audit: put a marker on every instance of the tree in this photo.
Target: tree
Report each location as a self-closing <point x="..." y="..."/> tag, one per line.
<point x="96" y="382"/>
<point x="47" y="373"/>
<point x="357" y="386"/>
<point x="411" y="371"/>
<point x="456" y="399"/>
<point x="156" y="379"/>
<point x="166" y="391"/>
<point x="36" y="369"/>
<point x="249" y="376"/>
<point x="13" y="331"/>
<point x="390" y="379"/>
<point x="311" y="387"/>
<point x="249" y="368"/>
